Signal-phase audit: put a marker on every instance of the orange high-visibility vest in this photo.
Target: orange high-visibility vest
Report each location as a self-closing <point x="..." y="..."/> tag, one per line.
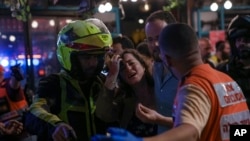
<point x="228" y="104"/>
<point x="13" y="105"/>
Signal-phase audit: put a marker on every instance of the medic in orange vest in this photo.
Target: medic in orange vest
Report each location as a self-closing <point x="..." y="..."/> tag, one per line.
<point x="12" y="98"/>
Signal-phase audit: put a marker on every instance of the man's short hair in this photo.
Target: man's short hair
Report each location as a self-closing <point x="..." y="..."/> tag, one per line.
<point x="167" y="16"/>
<point x="124" y="41"/>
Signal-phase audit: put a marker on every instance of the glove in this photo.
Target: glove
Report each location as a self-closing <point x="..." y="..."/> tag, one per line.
<point x="64" y="131"/>
<point x="116" y="134"/>
<point x="15" y="72"/>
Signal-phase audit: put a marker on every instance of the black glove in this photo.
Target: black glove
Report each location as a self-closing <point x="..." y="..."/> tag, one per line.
<point x="15" y="72"/>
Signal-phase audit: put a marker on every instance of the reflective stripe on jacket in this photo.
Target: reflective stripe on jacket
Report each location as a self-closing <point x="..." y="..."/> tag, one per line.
<point x="228" y="104"/>
<point x="76" y="108"/>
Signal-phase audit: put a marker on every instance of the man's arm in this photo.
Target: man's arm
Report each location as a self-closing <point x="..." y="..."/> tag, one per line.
<point x="16" y="77"/>
<point x="41" y="119"/>
<point x="184" y="132"/>
<point x="192" y="113"/>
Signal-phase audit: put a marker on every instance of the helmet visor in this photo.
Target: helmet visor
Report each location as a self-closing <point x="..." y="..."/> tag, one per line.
<point x="87" y="49"/>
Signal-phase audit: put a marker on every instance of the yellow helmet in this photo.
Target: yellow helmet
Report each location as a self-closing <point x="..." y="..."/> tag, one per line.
<point x="89" y="36"/>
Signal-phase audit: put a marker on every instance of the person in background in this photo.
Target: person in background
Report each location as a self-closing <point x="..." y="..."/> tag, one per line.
<point x="136" y="86"/>
<point x="165" y="82"/>
<point x="238" y="65"/>
<point x="143" y="49"/>
<point x="222" y="53"/>
<point x="13" y="103"/>
<point x="120" y="43"/>
<point x="203" y="111"/>
<point x="206" y="50"/>
<point x="66" y="104"/>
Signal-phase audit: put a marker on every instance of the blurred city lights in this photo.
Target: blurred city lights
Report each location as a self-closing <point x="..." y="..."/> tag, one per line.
<point x="68" y="20"/>
<point x="228" y="4"/>
<point x="12" y="38"/>
<point x="35" y="62"/>
<point x="214" y="6"/>
<point x="34" y="24"/>
<point x="52" y="22"/>
<point x="105" y="7"/>
<point x="13" y="62"/>
<point x="4" y="36"/>
<point x="101" y="8"/>
<point x="141" y="21"/>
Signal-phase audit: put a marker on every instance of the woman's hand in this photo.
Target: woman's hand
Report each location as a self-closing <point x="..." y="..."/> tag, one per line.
<point x="113" y="65"/>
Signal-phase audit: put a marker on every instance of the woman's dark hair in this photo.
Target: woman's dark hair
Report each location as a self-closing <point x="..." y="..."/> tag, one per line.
<point x="123" y="85"/>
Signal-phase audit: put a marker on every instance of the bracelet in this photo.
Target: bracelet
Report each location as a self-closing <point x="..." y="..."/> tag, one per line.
<point x="111" y="82"/>
<point x="111" y="85"/>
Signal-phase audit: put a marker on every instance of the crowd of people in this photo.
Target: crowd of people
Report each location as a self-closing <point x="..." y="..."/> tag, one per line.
<point x="202" y="109"/>
<point x="155" y="90"/>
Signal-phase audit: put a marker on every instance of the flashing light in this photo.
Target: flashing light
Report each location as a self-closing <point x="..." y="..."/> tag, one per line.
<point x="20" y="61"/>
<point x="4" y="62"/>
<point x="36" y="62"/>
<point x="12" y="62"/>
<point x="28" y="61"/>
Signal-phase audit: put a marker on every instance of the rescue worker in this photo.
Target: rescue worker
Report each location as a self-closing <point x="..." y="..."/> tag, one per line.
<point x="12" y="103"/>
<point x="67" y="103"/>
<point x="11" y="94"/>
<point x="238" y="66"/>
